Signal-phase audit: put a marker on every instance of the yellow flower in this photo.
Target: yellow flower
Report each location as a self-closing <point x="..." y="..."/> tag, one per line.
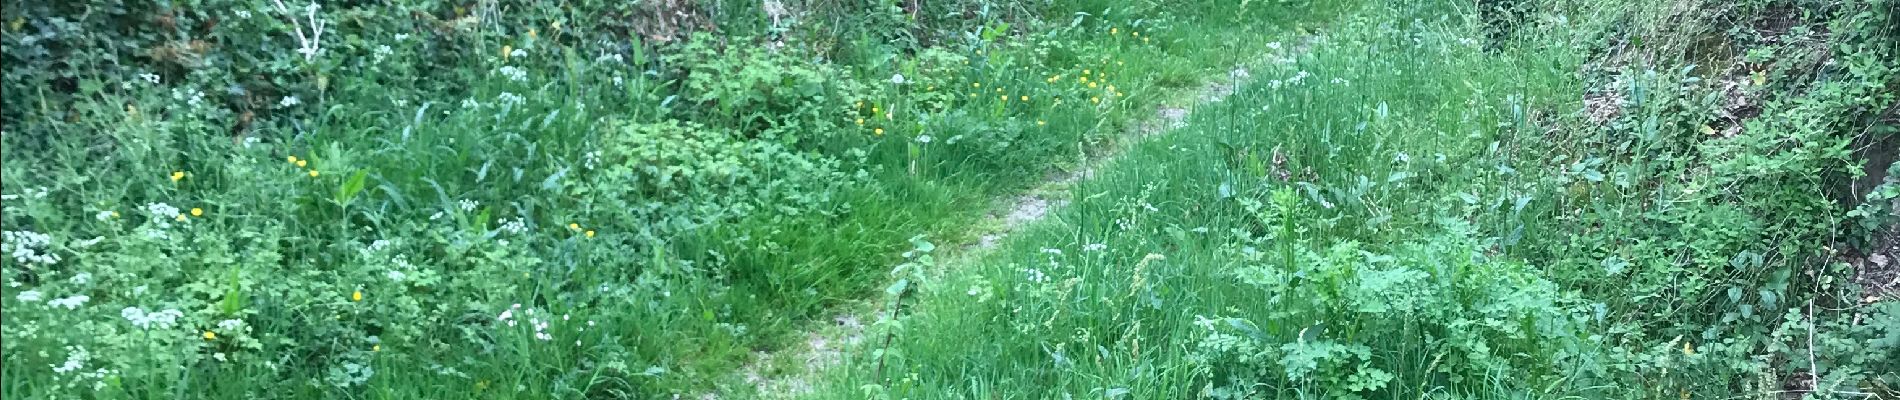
<point x="590" y="233"/>
<point x="1005" y="98"/>
<point x="356" y="296"/>
<point x="1688" y="348"/>
<point x="1114" y="31"/>
<point x="574" y="226"/>
<point x="301" y="163"/>
<point x="209" y="335"/>
<point x="531" y="33"/>
<point x="860" y="121"/>
<point x="176" y="175"/>
<point x="376" y="348"/>
<point x="1134" y="33"/>
<point x="505" y="49"/>
<point x="999" y="90"/>
<point x="875" y="110"/>
<point x="291" y="159"/>
<point x="1082" y="79"/>
<point x="313" y="173"/>
<point x="1144" y="40"/>
<point x="976" y="84"/>
<point x="1085" y="72"/>
<point x="115" y="214"/>
<point x="197" y="212"/>
<point x="180" y="218"/>
<point x="878" y="131"/>
<point x="1096" y="99"/>
<point x="1025" y="98"/>
<point x="1041" y="122"/>
<point x="1091" y="85"/>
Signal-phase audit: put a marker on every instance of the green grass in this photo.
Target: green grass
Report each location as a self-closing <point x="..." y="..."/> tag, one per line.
<point x="1395" y="224"/>
<point x="1411" y="206"/>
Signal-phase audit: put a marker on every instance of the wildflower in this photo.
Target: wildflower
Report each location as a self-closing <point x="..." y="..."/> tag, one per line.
<point x="395" y="275"/>
<point x="574" y="226"/>
<point x="29" y="296"/>
<point x="288" y="101"/>
<point x="197" y="212"/>
<point x="103" y="215"/>
<point x="976" y="84"/>
<point x="376" y="348"/>
<point x="1136" y="34"/>
<point x="291" y="159"/>
<point x="230" y="324"/>
<point x="1085" y="72"/>
<point x="878" y="131"/>
<point x="209" y="335"/>
<point x="180" y="217"/>
<point x="356" y="296"/>
<point x="176" y="175"/>
<point x="1688" y="349"/>
<point x="925" y="139"/>
<point x="590" y="233"/>
<point x="1114" y="31"/>
<point x="302" y="163"/>
<point x="897" y="79"/>
<point x="1005" y="98"/>
<point x="514" y="73"/>
<point x="1041" y="122"/>
<point x="506" y="51"/>
<point x="1092" y="85"/>
<point x="313" y="173"/>
<point x="519" y="53"/>
<point x="860" y="121"/>
<point x="1025" y="98"/>
<point x="1097" y="99"/>
<point x="70" y="302"/>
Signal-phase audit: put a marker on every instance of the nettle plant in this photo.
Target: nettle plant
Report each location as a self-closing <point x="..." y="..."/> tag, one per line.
<point x="1350" y="321"/>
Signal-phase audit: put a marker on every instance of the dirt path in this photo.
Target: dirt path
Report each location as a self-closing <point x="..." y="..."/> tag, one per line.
<point x="827" y="343"/>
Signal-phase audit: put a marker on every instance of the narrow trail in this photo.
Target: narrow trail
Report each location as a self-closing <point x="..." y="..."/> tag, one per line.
<point x="827" y="343"/>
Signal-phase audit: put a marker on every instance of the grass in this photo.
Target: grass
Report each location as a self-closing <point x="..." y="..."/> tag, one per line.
<point x="1410" y="199"/>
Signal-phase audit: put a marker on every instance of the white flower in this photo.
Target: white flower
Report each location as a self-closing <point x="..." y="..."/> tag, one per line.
<point x="518" y="53"/>
<point x="924" y="139"/>
<point x="1273" y="45"/>
<point x="1052" y="251"/>
<point x="288" y="101"/>
<point x="81" y="278"/>
<point x="436" y="216"/>
<point x="162" y="319"/>
<point x="29" y="296"/>
<point x="219" y="356"/>
<point x="515" y="226"/>
<point x="74" y="360"/>
<point x="244" y="13"/>
<point x="382" y="51"/>
<point x="1341" y="82"/>
<point x="1094" y="247"/>
<point x="28" y="247"/>
<point x="513" y="73"/>
<point x="1036" y="276"/>
<point x="149" y="77"/>
<point x="467" y="206"/>
<point x="395" y="275"/>
<point x="897" y="79"/>
<point x="230" y="324"/>
<point x="615" y="57"/>
<point x="70" y="302"/>
<point x="511" y="98"/>
<point x="400" y="37"/>
<point x="470" y="103"/>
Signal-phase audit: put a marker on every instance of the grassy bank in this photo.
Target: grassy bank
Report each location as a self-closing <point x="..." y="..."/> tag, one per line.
<point x="1434" y="202"/>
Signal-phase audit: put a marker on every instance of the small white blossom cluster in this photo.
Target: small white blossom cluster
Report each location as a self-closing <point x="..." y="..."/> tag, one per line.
<point x="381" y="52"/>
<point x="614" y="57"/>
<point x="30" y="296"/>
<point x="193" y="97"/>
<point x="591" y="159"/>
<point x="514" y="73"/>
<point x="1036" y="276"/>
<point x="28" y="247"/>
<point x="289" y="101"/>
<point x="146" y="320"/>
<point x="1094" y="247"/>
<point x="75" y="360"/>
<point x="162" y="214"/>
<point x="467" y="205"/>
<point x="470" y="103"/>
<point x="70" y="303"/>
<point x="511" y="99"/>
<point x="514" y="226"/>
